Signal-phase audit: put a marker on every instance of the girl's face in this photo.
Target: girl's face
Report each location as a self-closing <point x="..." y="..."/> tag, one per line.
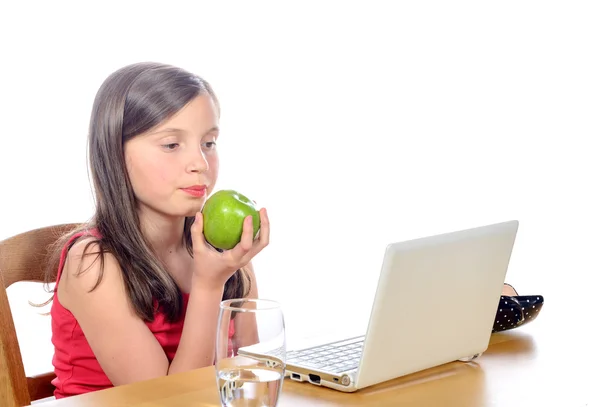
<point x="174" y="166"/>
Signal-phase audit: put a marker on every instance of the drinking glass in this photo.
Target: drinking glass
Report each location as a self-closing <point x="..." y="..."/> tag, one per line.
<point x="250" y="359"/>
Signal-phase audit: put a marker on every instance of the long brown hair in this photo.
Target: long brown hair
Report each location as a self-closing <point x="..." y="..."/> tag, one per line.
<point x="131" y="101"/>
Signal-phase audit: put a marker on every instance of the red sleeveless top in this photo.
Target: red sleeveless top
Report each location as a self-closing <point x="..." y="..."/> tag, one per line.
<point x="77" y="369"/>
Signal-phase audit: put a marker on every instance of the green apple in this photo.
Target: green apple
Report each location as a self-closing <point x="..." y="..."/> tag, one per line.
<point x="223" y="216"/>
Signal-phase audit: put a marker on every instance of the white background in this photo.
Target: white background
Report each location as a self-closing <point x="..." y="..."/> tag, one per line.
<point x="355" y="123"/>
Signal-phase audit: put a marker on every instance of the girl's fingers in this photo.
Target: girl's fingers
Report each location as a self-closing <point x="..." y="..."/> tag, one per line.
<point x="263" y="237"/>
<point x="247" y="234"/>
<point x="265" y="230"/>
<point x="248" y="247"/>
<point x="245" y="244"/>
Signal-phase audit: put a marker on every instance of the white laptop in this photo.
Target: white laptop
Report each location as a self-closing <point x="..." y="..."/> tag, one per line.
<point x="435" y="303"/>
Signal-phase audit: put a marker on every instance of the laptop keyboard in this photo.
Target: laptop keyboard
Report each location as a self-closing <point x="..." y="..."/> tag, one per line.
<point x="336" y="357"/>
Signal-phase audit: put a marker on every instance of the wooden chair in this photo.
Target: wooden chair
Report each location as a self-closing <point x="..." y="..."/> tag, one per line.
<point x="22" y="258"/>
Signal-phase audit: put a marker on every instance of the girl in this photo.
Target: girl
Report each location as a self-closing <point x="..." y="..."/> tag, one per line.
<point x="138" y="288"/>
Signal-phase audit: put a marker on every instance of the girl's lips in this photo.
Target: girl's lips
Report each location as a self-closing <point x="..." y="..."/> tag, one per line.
<point x="195" y="190"/>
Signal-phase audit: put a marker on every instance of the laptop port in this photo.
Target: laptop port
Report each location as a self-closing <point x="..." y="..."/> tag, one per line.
<point x="295" y="376"/>
<point x="316" y="379"/>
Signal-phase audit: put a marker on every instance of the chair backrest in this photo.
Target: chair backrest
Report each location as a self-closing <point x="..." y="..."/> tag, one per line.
<point x="23" y="257"/>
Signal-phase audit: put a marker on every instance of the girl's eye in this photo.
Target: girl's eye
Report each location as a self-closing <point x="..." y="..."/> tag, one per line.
<point x="210" y="145"/>
<point x="170" y="146"/>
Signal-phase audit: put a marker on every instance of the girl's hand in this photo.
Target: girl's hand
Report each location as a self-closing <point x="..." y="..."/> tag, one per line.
<point x="212" y="268"/>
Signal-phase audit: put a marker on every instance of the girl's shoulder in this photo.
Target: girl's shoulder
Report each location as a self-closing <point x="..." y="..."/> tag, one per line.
<point x="87" y="268"/>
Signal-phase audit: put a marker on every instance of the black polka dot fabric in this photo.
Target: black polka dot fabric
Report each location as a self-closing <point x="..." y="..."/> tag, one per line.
<point x="516" y="311"/>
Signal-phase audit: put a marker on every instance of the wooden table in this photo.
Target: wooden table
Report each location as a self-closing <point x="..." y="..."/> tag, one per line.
<point x="536" y="365"/>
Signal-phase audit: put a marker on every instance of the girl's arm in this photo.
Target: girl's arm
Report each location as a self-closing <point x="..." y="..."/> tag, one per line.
<point x="246" y="330"/>
<point x="212" y="269"/>
<point x="122" y="343"/>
